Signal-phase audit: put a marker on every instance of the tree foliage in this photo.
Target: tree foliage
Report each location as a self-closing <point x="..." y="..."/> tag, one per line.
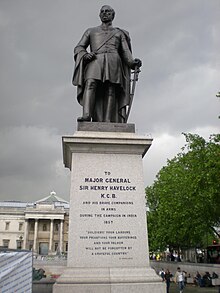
<point x="184" y="201"/>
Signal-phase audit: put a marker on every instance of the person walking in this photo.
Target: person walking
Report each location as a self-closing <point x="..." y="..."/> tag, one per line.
<point x="162" y="273"/>
<point x="179" y="279"/>
<point x="167" y="277"/>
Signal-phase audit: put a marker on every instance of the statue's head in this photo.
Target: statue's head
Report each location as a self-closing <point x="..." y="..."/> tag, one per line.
<point x="107" y="13"/>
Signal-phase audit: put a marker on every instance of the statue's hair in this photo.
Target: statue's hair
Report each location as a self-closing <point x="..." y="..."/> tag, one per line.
<point x="113" y="11"/>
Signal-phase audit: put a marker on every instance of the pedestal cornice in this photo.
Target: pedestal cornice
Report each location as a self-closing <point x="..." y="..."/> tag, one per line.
<point x="104" y="142"/>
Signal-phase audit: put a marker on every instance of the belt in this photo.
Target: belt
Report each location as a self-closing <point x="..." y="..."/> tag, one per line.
<point x="106" y="51"/>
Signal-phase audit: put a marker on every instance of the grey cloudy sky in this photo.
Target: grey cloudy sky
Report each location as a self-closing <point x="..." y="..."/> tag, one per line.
<point x="178" y="42"/>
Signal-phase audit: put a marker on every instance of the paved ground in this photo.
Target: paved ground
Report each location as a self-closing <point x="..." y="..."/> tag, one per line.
<point x="193" y="289"/>
<point x="47" y="288"/>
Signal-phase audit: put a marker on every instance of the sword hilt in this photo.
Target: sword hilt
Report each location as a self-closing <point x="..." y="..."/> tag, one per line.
<point x="135" y="74"/>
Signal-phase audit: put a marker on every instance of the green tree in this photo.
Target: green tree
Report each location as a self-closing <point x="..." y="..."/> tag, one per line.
<point x="184" y="201"/>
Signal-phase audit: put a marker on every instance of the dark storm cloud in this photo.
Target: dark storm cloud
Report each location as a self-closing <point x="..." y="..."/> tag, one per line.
<point x="178" y="43"/>
<point x="180" y="77"/>
<point x="30" y="160"/>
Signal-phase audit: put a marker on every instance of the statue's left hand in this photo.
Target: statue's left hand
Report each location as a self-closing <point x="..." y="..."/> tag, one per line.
<point x="137" y="62"/>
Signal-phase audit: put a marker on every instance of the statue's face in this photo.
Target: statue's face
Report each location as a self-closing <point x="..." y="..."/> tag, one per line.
<point x="106" y="13"/>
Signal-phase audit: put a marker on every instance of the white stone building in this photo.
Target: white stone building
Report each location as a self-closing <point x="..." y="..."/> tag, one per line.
<point x="40" y="226"/>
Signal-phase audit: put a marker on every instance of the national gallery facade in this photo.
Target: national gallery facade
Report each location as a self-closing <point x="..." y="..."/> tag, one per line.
<point x="40" y="226"/>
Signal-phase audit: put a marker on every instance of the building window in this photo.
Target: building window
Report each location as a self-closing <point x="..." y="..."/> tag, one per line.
<point x="44" y="227"/>
<point x="7" y="225"/>
<point x="19" y="244"/>
<point x="31" y="244"/>
<point x="56" y="227"/>
<point x="5" y="243"/>
<point x="32" y="227"/>
<point x="20" y="227"/>
<point x="66" y="247"/>
<point x="56" y="246"/>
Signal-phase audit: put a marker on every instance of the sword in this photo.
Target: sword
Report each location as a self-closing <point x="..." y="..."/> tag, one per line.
<point x="134" y="81"/>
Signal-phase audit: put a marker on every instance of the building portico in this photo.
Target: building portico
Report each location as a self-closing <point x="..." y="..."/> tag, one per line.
<point x="44" y="226"/>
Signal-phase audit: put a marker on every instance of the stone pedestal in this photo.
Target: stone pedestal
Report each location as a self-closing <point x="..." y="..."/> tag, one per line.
<point x="108" y="245"/>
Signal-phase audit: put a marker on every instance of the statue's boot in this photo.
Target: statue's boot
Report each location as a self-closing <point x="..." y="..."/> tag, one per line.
<point x="88" y="100"/>
<point x="84" y="119"/>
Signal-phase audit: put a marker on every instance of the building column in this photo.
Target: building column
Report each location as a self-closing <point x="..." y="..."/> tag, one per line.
<point x="61" y="237"/>
<point x="51" y="236"/>
<point x="35" y="235"/>
<point x="25" y="234"/>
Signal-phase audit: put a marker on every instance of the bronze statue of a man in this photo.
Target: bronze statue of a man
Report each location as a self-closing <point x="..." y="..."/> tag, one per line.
<point x="102" y="76"/>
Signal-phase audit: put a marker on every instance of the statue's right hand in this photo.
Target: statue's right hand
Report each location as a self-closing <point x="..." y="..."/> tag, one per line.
<point x="89" y="56"/>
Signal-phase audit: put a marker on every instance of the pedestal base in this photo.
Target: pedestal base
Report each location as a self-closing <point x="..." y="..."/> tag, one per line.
<point x="110" y="288"/>
<point x="109" y="280"/>
<point x="108" y="244"/>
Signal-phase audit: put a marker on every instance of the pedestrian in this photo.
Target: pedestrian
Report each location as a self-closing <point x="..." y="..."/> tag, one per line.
<point x="198" y="279"/>
<point x="179" y="279"/>
<point x="162" y="273"/>
<point x="185" y="278"/>
<point x="172" y="257"/>
<point x="207" y="279"/>
<point x="214" y="275"/>
<point x="167" y="278"/>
